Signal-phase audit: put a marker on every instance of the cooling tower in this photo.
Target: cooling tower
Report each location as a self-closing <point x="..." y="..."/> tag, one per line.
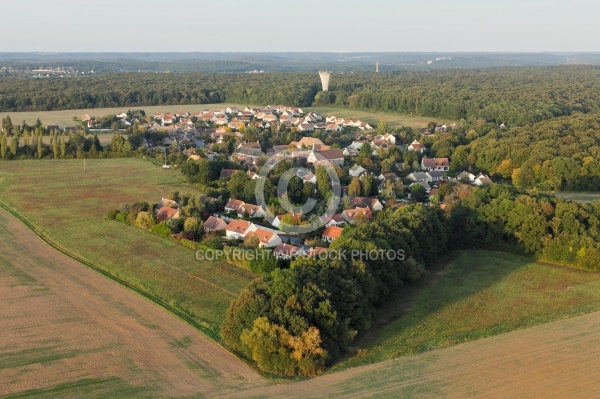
<point x="325" y="79"/>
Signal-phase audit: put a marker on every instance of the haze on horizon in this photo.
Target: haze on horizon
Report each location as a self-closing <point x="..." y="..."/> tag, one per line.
<point x="308" y="26"/>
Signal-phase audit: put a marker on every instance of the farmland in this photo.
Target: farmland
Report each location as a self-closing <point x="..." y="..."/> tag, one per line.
<point x="67" y="205"/>
<point x="554" y="360"/>
<point x="372" y="117"/>
<point x="478" y="294"/>
<point x="65" y="118"/>
<point x="66" y="331"/>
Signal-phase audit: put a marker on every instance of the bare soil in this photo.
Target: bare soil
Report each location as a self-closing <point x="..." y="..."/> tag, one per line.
<point x="62" y="323"/>
<point x="556" y="360"/>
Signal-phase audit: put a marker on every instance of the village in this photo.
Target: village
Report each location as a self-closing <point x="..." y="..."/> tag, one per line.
<point x="376" y="169"/>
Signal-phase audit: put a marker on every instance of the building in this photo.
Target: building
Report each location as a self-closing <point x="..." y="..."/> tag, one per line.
<point x="435" y="164"/>
<point x="214" y="224"/>
<point x="332" y="233"/>
<point x="286" y="251"/>
<point x="238" y="229"/>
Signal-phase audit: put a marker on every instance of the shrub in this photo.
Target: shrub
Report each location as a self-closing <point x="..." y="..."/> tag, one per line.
<point x="112" y="214"/>
<point x="161" y="229"/>
<point x="120" y="217"/>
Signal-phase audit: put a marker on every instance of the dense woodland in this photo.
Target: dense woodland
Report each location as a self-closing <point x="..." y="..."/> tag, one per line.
<point x="515" y="96"/>
<point x="299" y="320"/>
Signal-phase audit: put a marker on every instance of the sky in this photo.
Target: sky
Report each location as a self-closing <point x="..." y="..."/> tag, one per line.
<point x="298" y="26"/>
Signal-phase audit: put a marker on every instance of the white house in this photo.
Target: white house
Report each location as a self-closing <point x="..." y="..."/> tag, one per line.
<point x="416" y="146"/>
<point x="439" y="164"/>
<point x="356" y="170"/>
<point x="238" y="229"/>
<point x="266" y="238"/>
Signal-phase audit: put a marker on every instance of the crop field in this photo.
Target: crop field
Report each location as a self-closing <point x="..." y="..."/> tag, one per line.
<point x="69" y="332"/>
<point x="393" y="120"/>
<point x="67" y="205"/>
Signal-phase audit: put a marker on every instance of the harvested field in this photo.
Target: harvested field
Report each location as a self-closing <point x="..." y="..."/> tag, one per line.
<point x="556" y="360"/>
<point x="68" y="331"/>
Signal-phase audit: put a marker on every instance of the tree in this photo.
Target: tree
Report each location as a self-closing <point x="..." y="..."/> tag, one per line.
<point x="40" y="147"/>
<point x="355" y="188"/>
<point x="418" y="192"/>
<point x="366" y="183"/>
<point x="382" y="127"/>
<point x="3" y="146"/>
<point x="295" y="190"/>
<point x="323" y="182"/>
<point x="237" y="183"/>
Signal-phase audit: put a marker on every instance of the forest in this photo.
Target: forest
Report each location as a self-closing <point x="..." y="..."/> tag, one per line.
<point x="514" y="96"/>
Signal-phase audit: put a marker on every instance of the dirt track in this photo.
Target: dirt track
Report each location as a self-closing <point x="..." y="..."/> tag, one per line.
<point x="62" y="323"/>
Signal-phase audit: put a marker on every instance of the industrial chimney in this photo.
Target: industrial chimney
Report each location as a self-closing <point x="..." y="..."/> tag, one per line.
<point x="325" y="79"/>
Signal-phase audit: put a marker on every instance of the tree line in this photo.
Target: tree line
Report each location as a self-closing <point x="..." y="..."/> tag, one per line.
<point x="515" y="96"/>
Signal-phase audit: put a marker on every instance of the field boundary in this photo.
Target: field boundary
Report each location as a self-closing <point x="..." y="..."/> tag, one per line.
<point x="174" y="311"/>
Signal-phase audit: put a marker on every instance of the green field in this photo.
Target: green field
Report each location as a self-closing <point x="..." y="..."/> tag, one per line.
<point x="68" y="205"/>
<point x="393" y="120"/>
<point x="478" y="294"/>
<point x="579" y="196"/>
<point x="65" y="118"/>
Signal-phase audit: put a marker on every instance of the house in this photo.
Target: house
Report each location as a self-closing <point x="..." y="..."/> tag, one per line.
<point x="307" y="142"/>
<point x="439" y="164"/>
<point x="253" y="211"/>
<point x="417" y="176"/>
<point x="335" y="156"/>
<point x="424" y="184"/>
<point x="279" y="218"/>
<point x="233" y="205"/>
<point x="214" y="224"/>
<point x="336" y="220"/>
<point x="165" y="202"/>
<point x="466" y="176"/>
<point x="433" y="176"/>
<point x="356" y="170"/>
<point x="195" y="157"/>
<point x="286" y="251"/>
<point x="166" y="213"/>
<point x="266" y="238"/>
<point x="353" y="215"/>
<point x="388" y="176"/>
<point x="332" y="233"/>
<point x="390" y="138"/>
<point x="367" y="202"/>
<point x="482" y="180"/>
<point x="238" y="229"/>
<point x="227" y="173"/>
<point x="416" y="146"/>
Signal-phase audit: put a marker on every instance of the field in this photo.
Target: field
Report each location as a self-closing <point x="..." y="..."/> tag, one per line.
<point x="65" y="118"/>
<point x="476" y="294"/>
<point x="393" y="120"/>
<point x="68" y="332"/>
<point x="579" y="196"/>
<point x="68" y="205"/>
<point x="556" y="360"/>
<point x="479" y="294"/>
